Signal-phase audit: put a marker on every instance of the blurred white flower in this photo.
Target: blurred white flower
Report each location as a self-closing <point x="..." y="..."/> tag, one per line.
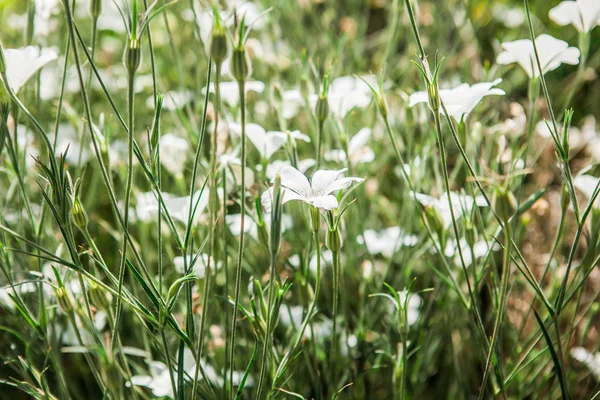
<point x="462" y="99"/>
<point x="277" y="165"/>
<point x="69" y="139"/>
<point x="173" y="153"/>
<point x="480" y="250"/>
<point x="172" y="100"/>
<point x="386" y="241"/>
<point x="316" y="193"/>
<point x="590" y="360"/>
<point x="412" y="306"/>
<point x="230" y="91"/>
<point x="552" y="53"/>
<point x="358" y="150"/>
<point x="178" y="207"/>
<point x="345" y="93"/>
<point x="234" y="221"/>
<point x="199" y="267"/>
<point x="292" y="103"/>
<point x="22" y="64"/>
<point x="462" y="204"/>
<point x="584" y="15"/>
<point x="587" y="185"/>
<point x="267" y="142"/>
<point x="511" y="17"/>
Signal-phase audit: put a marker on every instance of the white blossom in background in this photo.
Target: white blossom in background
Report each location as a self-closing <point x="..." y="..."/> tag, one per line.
<point x="230" y="92"/>
<point x="584" y="15"/>
<point x="22" y="64"/>
<point x="173" y="153"/>
<point x="589" y="359"/>
<point x="345" y="93"/>
<point x="234" y="221"/>
<point x="462" y="99"/>
<point x="316" y="193"/>
<point x="358" y="150"/>
<point x="511" y="17"/>
<point x="412" y="306"/>
<point x="199" y="267"/>
<point x="386" y="241"/>
<point x="277" y="165"/>
<point x="462" y="204"/>
<point x="172" y="100"/>
<point x="69" y="139"/>
<point x="178" y="207"/>
<point x="552" y="52"/>
<point x="292" y="103"/>
<point x="43" y="23"/>
<point x="480" y="250"/>
<point x="587" y="185"/>
<point x="266" y="142"/>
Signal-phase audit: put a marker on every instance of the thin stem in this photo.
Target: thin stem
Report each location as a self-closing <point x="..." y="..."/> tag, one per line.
<point x="269" y="331"/>
<point x="336" y="294"/>
<point x="238" y="271"/>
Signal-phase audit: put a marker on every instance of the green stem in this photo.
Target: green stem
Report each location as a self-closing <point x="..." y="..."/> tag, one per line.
<point x="238" y="271"/>
<point x="336" y="294"/>
<point x="268" y="331"/>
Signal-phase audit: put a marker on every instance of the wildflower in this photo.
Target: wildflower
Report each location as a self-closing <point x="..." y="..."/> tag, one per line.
<point x="462" y="204"/>
<point x="587" y="185"/>
<point x="584" y="15"/>
<point x="267" y="142"/>
<point x="480" y="250"/>
<point x="358" y="150"/>
<point x="590" y="360"/>
<point x="552" y="52"/>
<point x="386" y="241"/>
<point x="22" y="64"/>
<point x="277" y="165"/>
<point x="172" y="101"/>
<point x="198" y="267"/>
<point x="230" y="92"/>
<point x="345" y="93"/>
<point x="173" y="152"/>
<point x="461" y="100"/>
<point x="316" y="193"/>
<point x="178" y="207"/>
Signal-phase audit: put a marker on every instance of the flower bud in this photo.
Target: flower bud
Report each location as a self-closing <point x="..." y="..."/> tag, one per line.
<point x="64" y="300"/>
<point x="382" y="106"/>
<point x="315" y="219"/>
<point x="276" y="215"/>
<point x="133" y="55"/>
<point x="435" y="220"/>
<point x="322" y="108"/>
<point x="470" y="234"/>
<point x="505" y="204"/>
<point x="79" y="214"/>
<point x="565" y="198"/>
<point x="218" y="47"/>
<point x="434" y="96"/>
<point x="333" y="241"/>
<point x="241" y="66"/>
<point x="98" y="297"/>
<point x="95" y="8"/>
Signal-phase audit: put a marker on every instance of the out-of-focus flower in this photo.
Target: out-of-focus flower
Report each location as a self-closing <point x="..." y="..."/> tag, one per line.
<point x="584" y="15"/>
<point x="462" y="204"/>
<point x="345" y="93"/>
<point x="22" y="64"/>
<point x="412" y="306"/>
<point x="462" y="99"/>
<point x="173" y="153"/>
<point x="587" y="185"/>
<point x="511" y="17"/>
<point x="386" y="241"/>
<point x="480" y="250"/>
<point x="277" y="165"/>
<point x="230" y="90"/>
<point x="178" y="207"/>
<point x="69" y="139"/>
<point x="358" y="150"/>
<point x="172" y="100"/>
<point x="316" y="193"/>
<point x="267" y="142"/>
<point x="552" y="53"/>
<point x="199" y="267"/>
<point x="590" y="360"/>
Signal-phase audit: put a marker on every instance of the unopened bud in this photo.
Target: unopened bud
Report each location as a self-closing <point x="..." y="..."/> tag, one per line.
<point x="470" y="234"/>
<point x="276" y="215"/>
<point x="241" y="66"/>
<point x="95" y="8"/>
<point x="218" y="47"/>
<point x="505" y="204"/>
<point x="322" y="108"/>
<point x="64" y="300"/>
<point x="434" y="96"/>
<point x="315" y="219"/>
<point x="435" y="220"/>
<point x="79" y="214"/>
<point x="98" y="297"/>
<point x="133" y="55"/>
<point x="333" y="241"/>
<point x="381" y="104"/>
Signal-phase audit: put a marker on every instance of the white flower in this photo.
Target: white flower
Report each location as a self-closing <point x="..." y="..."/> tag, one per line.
<point x="173" y="152"/>
<point x="199" y="267"/>
<point x="462" y="99"/>
<point x="316" y="193"/>
<point x="234" y="221"/>
<point x="277" y="165"/>
<point x="386" y="241"/>
<point x="462" y="204"/>
<point x="358" y="150"/>
<point x="267" y="143"/>
<point x="587" y="185"/>
<point x="590" y="360"/>
<point x="584" y="15"/>
<point x="230" y="92"/>
<point x="69" y="139"/>
<point x="292" y="103"/>
<point x="172" y="100"/>
<point x="412" y="305"/>
<point x="179" y="207"/>
<point x="345" y="93"/>
<point x="22" y="64"/>
<point x="552" y="53"/>
<point x="480" y="250"/>
<point x="511" y="17"/>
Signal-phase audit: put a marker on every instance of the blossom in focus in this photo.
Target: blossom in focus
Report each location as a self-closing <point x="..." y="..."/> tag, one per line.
<point x="316" y="192"/>
<point x="552" y="52"/>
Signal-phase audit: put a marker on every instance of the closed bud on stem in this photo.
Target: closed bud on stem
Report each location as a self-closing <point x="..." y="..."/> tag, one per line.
<point x="505" y="204"/>
<point x="98" y="297"/>
<point x="95" y="8"/>
<point x="79" y="214"/>
<point x="241" y="66"/>
<point x="322" y="108"/>
<point x="534" y="88"/>
<point x="470" y="234"/>
<point x="133" y="55"/>
<point x="64" y="300"/>
<point x="333" y="241"/>
<point x="276" y="215"/>
<point x="381" y="104"/>
<point x="315" y="219"/>
<point x="434" y="96"/>
<point x="218" y="47"/>
<point x="435" y="220"/>
<point x="565" y="198"/>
